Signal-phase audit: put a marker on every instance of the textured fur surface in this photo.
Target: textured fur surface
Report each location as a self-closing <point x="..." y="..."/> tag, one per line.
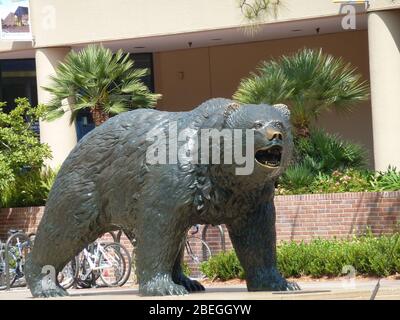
<point x="106" y="183"/>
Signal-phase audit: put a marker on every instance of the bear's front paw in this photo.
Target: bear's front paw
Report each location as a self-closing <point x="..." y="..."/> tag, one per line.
<point x="292" y="286"/>
<point x="50" y="293"/>
<point x="161" y="285"/>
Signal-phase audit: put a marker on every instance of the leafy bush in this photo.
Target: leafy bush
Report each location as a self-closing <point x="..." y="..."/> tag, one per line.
<point x="325" y="152"/>
<point x="20" y="148"/>
<point x="223" y="266"/>
<point x="349" y="180"/>
<point x="324" y="162"/>
<point x="296" y="177"/>
<point x="28" y="189"/>
<point x="369" y="255"/>
<point x="386" y="181"/>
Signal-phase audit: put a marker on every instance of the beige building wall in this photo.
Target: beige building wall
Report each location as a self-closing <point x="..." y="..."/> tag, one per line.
<point x="216" y="72"/>
<point x="183" y="77"/>
<point x="61" y="22"/>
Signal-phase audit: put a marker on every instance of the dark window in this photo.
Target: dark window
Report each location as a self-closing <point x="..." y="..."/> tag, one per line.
<point x="18" y="80"/>
<point x="145" y="61"/>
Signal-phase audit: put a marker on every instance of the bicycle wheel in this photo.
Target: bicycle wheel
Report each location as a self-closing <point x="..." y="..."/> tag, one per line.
<point x="128" y="263"/>
<point x="66" y="278"/>
<point x="197" y="251"/>
<point x="19" y="247"/>
<point x="3" y="284"/>
<point x="14" y="267"/>
<point x="114" y="265"/>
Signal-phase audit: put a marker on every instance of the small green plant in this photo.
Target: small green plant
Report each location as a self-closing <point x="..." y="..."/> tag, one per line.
<point x="186" y="269"/>
<point x="368" y="254"/>
<point x="297" y="177"/>
<point x="386" y="181"/>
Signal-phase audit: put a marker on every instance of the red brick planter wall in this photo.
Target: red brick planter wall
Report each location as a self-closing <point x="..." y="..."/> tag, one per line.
<point x="299" y="217"/>
<point x="26" y="219"/>
<point x="303" y="217"/>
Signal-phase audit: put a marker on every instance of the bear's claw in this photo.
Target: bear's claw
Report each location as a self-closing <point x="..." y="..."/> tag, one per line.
<point x="162" y="285"/>
<point x="50" y="293"/>
<point x="190" y="284"/>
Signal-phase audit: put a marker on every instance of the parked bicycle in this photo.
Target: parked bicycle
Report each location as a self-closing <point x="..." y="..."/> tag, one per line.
<point x="221" y="233"/>
<point x="109" y="262"/>
<point x="13" y="256"/>
<point x="197" y="251"/>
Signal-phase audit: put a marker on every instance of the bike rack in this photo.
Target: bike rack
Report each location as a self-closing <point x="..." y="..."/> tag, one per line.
<point x="221" y="232"/>
<point x="26" y="238"/>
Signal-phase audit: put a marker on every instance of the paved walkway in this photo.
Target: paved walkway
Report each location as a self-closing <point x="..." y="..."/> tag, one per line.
<point x="312" y="290"/>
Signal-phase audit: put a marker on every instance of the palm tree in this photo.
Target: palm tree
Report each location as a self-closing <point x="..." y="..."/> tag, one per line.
<point x="97" y="79"/>
<point x="309" y="81"/>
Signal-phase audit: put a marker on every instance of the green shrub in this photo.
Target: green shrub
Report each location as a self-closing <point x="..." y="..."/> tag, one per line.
<point x="297" y="177"/>
<point x="223" y="266"/>
<point x="20" y="148"/>
<point x="325" y="152"/>
<point x="349" y="180"/>
<point x="324" y="162"/>
<point x="28" y="189"/>
<point x="369" y="255"/>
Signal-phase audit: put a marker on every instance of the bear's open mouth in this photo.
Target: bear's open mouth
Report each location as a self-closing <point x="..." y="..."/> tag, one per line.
<point x="270" y="157"/>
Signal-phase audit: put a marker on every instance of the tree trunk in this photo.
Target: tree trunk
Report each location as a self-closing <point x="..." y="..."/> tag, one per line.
<point x="303" y="132"/>
<point x="98" y="115"/>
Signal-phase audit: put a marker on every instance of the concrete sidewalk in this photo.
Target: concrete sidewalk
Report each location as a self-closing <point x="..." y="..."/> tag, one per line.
<point x="311" y="290"/>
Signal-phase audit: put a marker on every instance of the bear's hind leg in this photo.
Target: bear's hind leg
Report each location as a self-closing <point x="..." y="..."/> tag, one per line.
<point x="53" y="249"/>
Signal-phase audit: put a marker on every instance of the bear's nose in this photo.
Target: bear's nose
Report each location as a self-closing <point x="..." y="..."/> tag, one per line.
<point x="274" y="134"/>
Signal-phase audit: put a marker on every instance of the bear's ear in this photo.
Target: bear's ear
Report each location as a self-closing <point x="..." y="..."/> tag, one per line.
<point x="283" y="108"/>
<point x="231" y="108"/>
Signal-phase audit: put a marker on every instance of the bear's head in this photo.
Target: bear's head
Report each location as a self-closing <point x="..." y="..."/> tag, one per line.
<point x="273" y="142"/>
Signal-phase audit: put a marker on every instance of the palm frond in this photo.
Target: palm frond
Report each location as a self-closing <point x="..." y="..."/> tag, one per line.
<point x="96" y="77"/>
<point x="309" y="81"/>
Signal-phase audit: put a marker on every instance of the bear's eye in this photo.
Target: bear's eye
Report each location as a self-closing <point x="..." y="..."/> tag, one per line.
<point x="257" y="125"/>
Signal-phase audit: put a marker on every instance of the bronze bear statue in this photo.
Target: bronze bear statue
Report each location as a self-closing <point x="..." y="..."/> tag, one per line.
<point x="107" y="182"/>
